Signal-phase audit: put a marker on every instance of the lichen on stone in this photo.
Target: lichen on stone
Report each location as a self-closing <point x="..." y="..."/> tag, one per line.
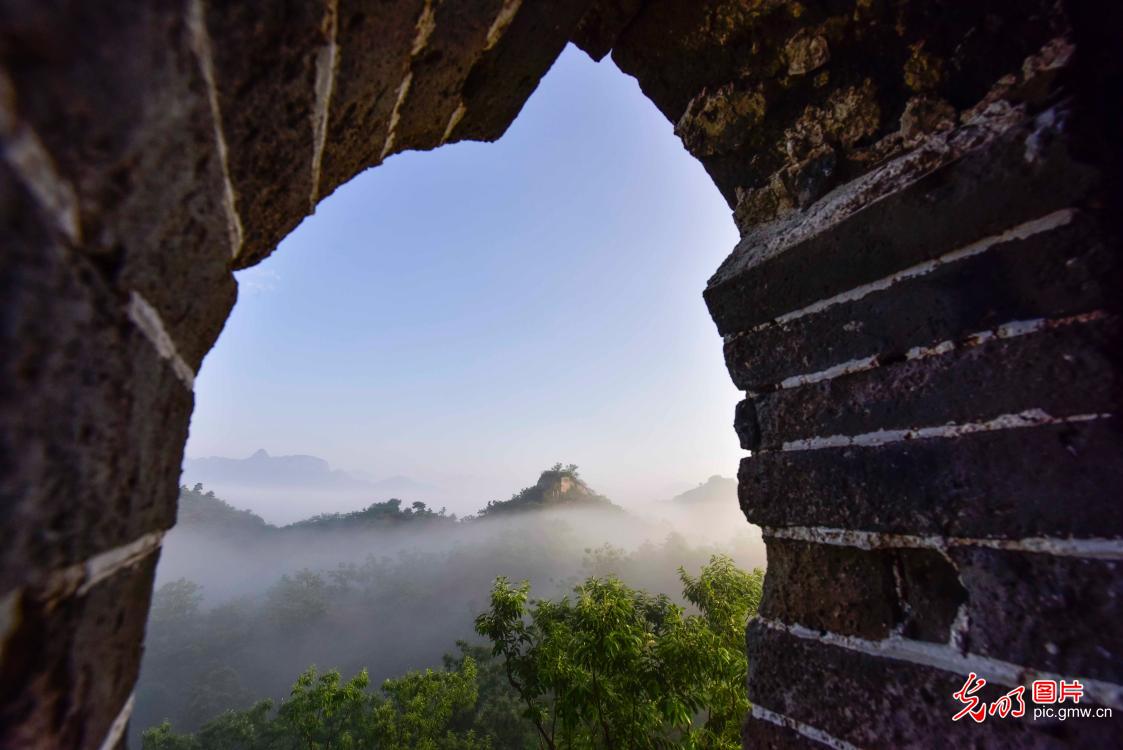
<point x="923" y="70"/>
<point x="806" y="51"/>
<point x="719" y="121"/>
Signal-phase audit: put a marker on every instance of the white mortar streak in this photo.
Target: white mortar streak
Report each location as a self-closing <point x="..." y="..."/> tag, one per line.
<point x="495" y="32"/>
<point x="327" y="63"/>
<point x="1020" y="420"/>
<point x="117" y="728"/>
<point x="502" y="20"/>
<point x="1009" y="330"/>
<point x="1022" y="231"/>
<point x="147" y="319"/>
<point x="426" y="23"/>
<point x="1095" y="548"/>
<point x="201" y="45"/>
<point x="395" y="116"/>
<point x="79" y="578"/>
<point x="902" y="599"/>
<point x="944" y="657"/>
<point x="844" y="368"/>
<point x="29" y="158"/>
<point x="961" y="624"/>
<point x="453" y="121"/>
<point x="808" y="731"/>
<point x="105" y="564"/>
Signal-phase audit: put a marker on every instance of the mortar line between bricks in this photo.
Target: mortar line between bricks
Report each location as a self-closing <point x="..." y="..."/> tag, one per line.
<point x="1022" y="231"/>
<point x="145" y="317"/>
<point x="454" y="120"/>
<point x="1090" y="548"/>
<point x="495" y="32"/>
<point x="29" y="158"/>
<point x="201" y="45"/>
<point x="79" y="578"/>
<point x="502" y="20"/>
<point x="808" y="731"/>
<point x="1009" y="330"/>
<point x="944" y="657"/>
<point x="1020" y="420"/>
<point x="426" y="23"/>
<point x="120" y="723"/>
<point x="327" y="63"/>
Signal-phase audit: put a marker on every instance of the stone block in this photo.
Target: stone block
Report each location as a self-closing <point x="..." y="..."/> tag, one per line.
<point x="69" y="666"/>
<point x="267" y="58"/>
<point x="145" y="171"/>
<point x="92" y="419"/>
<point x="975" y="384"/>
<point x="1055" y="480"/>
<point x="911" y="211"/>
<point x="1054" y="613"/>
<point x="1058" y="272"/>
<point x="874" y="701"/>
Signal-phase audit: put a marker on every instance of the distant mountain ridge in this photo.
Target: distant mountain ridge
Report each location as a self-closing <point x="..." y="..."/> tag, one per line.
<point x="299" y="471"/>
<point x="715" y="489"/>
<point x="262" y="469"/>
<point x="557" y="488"/>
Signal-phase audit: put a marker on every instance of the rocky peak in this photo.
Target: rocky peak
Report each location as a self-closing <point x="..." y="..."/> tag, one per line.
<point x="556" y="487"/>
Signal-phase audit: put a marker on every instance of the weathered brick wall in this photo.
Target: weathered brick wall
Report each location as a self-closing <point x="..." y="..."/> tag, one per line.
<point x="923" y="314"/>
<point x="149" y="149"/>
<point x="922" y="311"/>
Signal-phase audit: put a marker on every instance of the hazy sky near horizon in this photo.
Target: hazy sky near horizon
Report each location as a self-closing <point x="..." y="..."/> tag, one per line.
<point x="470" y="315"/>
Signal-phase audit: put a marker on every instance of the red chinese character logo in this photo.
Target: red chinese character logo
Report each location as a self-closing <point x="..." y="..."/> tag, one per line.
<point x="1073" y="690"/>
<point x="1044" y="691"/>
<point x="1005" y="706"/>
<point x="973" y="705"/>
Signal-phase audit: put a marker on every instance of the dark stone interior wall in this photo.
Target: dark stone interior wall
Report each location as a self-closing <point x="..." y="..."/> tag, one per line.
<point x="920" y="312"/>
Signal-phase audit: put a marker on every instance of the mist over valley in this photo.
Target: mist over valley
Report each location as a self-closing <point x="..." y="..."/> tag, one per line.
<point x="242" y="605"/>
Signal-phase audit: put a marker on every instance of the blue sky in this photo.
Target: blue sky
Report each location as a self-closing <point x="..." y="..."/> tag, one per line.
<point x="470" y="315"/>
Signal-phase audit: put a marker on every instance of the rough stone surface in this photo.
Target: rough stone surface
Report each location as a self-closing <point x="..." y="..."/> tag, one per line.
<point x="265" y="61"/>
<point x="116" y="96"/>
<point x="450" y="39"/>
<point x="509" y="71"/>
<point x="840" y="589"/>
<point x="834" y="75"/>
<point x="1061" y="480"/>
<point x="69" y="666"/>
<point x="92" y="470"/>
<point x="872" y="701"/>
<point x="374" y="43"/>
<point x="1060" y="272"/>
<point x="1070" y="615"/>
<point x="764" y="735"/>
<point x="914" y="209"/>
<point x="602" y="24"/>
<point x="973" y="384"/>
<point x="865" y="593"/>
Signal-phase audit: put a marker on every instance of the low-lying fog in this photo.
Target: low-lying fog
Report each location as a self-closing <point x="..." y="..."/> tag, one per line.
<point x="242" y="607"/>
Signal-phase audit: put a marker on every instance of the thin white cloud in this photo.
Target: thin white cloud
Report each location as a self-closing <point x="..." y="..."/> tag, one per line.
<point x="258" y="280"/>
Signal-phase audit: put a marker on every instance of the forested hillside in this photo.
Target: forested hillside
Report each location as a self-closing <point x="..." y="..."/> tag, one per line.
<point x="243" y="608"/>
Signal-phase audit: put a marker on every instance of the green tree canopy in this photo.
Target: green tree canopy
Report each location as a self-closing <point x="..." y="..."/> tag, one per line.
<point x="324" y="712"/>
<point x="615" y="667"/>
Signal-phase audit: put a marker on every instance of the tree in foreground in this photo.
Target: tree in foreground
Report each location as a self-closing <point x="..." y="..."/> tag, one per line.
<point x="613" y="667"/>
<point x="609" y="667"/>
<point x="326" y="713"/>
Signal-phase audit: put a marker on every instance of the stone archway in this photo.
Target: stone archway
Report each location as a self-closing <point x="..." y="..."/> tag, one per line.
<point x="922" y="311"/>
